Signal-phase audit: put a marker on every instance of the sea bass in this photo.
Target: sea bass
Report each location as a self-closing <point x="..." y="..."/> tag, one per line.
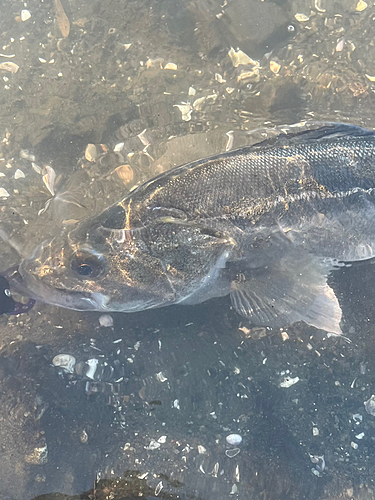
<point x="265" y="224"/>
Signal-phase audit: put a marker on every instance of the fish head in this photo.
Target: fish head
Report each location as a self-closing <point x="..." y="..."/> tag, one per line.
<point x="96" y="267"/>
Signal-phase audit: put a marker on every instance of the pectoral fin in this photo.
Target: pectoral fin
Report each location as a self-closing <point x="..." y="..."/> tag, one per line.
<point x="292" y="289"/>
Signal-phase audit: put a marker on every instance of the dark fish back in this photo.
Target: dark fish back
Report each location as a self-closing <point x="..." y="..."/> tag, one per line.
<point x="320" y="163"/>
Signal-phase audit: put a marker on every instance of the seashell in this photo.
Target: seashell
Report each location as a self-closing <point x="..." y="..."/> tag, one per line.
<point x="64" y="361"/>
<point x="91" y="153"/>
<point x="4" y="193"/>
<point x="25" y="15"/>
<point x="239" y="58"/>
<point x="302" y="18"/>
<point x="49" y="179"/>
<point x="234" y="439"/>
<point x="9" y="66"/>
<point x="171" y="66"/>
<point x="125" y="173"/>
<point x="361" y="5"/>
<point x="275" y="67"/>
<point x="62" y="19"/>
<point x="106" y="320"/>
<point x="232" y="453"/>
<point x="18" y="174"/>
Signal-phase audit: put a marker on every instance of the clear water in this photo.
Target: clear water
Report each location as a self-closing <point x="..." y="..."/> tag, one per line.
<point x="172" y="384"/>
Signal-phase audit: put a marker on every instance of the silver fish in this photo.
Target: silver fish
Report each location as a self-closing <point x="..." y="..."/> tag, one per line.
<point x="265" y="224"/>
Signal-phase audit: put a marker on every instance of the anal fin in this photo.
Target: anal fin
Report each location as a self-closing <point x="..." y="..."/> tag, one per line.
<point x="289" y="290"/>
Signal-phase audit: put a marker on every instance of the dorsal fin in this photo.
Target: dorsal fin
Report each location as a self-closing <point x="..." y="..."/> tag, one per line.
<point x="324" y="132"/>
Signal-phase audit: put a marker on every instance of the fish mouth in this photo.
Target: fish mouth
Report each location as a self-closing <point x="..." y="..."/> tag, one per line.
<point x="24" y="281"/>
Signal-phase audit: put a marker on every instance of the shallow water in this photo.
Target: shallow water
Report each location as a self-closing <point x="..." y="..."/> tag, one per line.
<point x="171" y="384"/>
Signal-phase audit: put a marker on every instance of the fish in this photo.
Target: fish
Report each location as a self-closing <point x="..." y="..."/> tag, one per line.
<point x="266" y="224"/>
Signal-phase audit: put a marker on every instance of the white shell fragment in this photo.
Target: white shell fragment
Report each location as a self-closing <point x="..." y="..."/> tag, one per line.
<point x="64" y="361"/>
<point x="370" y="405"/>
<point x="275" y="67"/>
<point x="154" y="445"/>
<point x="18" y="174"/>
<point x="158" y="488"/>
<point x="93" y="366"/>
<point x="284" y="336"/>
<point x="234" y="439"/>
<point x="106" y="320"/>
<point x="357" y="418"/>
<point x="171" y="66"/>
<point x="354" y="445"/>
<point x="162" y="439"/>
<point x="361" y="5"/>
<point x="9" y="66"/>
<point x="160" y="377"/>
<point x="49" y="179"/>
<point x="361" y="435"/>
<point x="119" y="147"/>
<point x="239" y="58"/>
<point x="25" y="15"/>
<point x="233" y="452"/>
<point x="288" y="382"/>
<point x="4" y="193"/>
<point x="186" y="110"/>
<point x="302" y="18"/>
<point x="91" y="152"/>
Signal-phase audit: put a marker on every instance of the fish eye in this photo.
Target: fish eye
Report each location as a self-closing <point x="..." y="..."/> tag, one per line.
<point x="87" y="265"/>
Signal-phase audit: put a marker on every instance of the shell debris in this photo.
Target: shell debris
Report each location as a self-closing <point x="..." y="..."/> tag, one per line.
<point x="91" y="153"/>
<point x="370" y="406"/>
<point x="361" y="5"/>
<point x="239" y="58"/>
<point x="234" y="439"/>
<point x="25" y="15"/>
<point x="62" y="19"/>
<point x="186" y="111"/>
<point x="66" y="362"/>
<point x="4" y="193"/>
<point x="158" y="488"/>
<point x="275" y="67"/>
<point x="154" y="445"/>
<point x="302" y="18"/>
<point x="9" y="66"/>
<point x="288" y="381"/>
<point x="125" y="173"/>
<point x="232" y="452"/>
<point x="18" y="174"/>
<point x="106" y="320"/>
<point x="171" y="66"/>
<point x="49" y="179"/>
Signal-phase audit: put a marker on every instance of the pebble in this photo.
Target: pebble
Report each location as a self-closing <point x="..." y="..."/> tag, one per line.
<point x="106" y="320"/>
<point x="234" y="439"/>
